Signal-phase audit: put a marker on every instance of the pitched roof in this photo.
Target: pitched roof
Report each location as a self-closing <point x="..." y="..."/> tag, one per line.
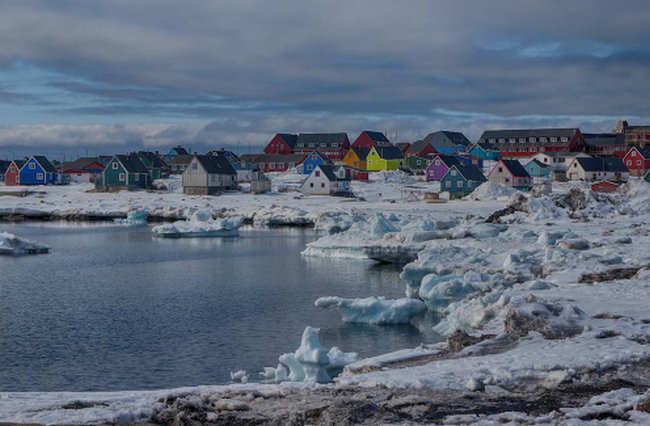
<point x="289" y="138"/>
<point x="389" y="152"/>
<point x="328" y="171"/>
<point x="153" y="158"/>
<point x="645" y="151"/>
<point x="604" y="139"/>
<point x="216" y="164"/>
<point x="325" y="158"/>
<point x="538" y="163"/>
<point x="181" y="160"/>
<point x="179" y="150"/>
<point x="403" y="146"/>
<point x="132" y="163"/>
<point x="515" y="168"/>
<point x="604" y="163"/>
<point x="361" y="153"/>
<point x="304" y="139"/>
<point x="449" y="160"/>
<point x="45" y="164"/>
<point x="447" y="139"/>
<point x="470" y="172"/>
<point x="417" y="146"/>
<point x="80" y="163"/>
<point x="19" y="163"/>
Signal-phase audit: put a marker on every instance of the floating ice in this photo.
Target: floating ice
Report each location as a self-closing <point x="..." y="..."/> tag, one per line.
<point x="374" y="310"/>
<point x="239" y="376"/>
<point x="200" y="224"/>
<point x="134" y="218"/>
<point x="312" y="356"/>
<point x="13" y="245"/>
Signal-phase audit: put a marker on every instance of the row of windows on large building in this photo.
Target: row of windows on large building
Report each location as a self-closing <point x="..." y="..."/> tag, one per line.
<point x="531" y="139"/>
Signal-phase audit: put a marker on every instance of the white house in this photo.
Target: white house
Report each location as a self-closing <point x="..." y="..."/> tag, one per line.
<point x="208" y="174"/>
<point x="602" y="168"/>
<point x="324" y="181"/>
<point x="510" y="173"/>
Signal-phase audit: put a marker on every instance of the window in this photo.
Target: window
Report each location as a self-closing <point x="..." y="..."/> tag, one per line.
<point x="532" y="139"/>
<point x="122" y="177"/>
<point x="39" y="176"/>
<point x="32" y="166"/>
<point x="507" y="180"/>
<point x="322" y="184"/>
<point x="633" y="153"/>
<point x="418" y="162"/>
<point x="513" y="140"/>
<point x="317" y="173"/>
<point x="460" y="184"/>
<point x="543" y="140"/>
<point x="437" y="162"/>
<point x="195" y="166"/>
<point x="115" y="165"/>
<point x="522" y="140"/>
<point x="629" y="162"/>
<point x="638" y="162"/>
<point x="311" y="185"/>
<point x="564" y="139"/>
<point x="271" y="165"/>
<point x="453" y="172"/>
<point x="491" y="140"/>
<point x="553" y="139"/>
<point x="500" y="169"/>
<point x="448" y="184"/>
<point x="502" y="140"/>
<point x="323" y="145"/>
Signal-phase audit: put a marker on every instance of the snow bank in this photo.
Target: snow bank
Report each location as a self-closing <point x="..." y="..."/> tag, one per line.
<point x="200" y="224"/>
<point x="491" y="191"/>
<point x="13" y="245"/>
<point x="283" y="216"/>
<point x="373" y="310"/>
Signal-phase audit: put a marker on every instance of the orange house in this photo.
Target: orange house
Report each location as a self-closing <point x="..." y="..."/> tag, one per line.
<point x="356" y="157"/>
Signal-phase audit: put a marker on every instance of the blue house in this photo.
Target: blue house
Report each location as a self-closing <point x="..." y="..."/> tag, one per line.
<point x="312" y="160"/>
<point x="446" y="142"/>
<point x="174" y="152"/>
<point x="461" y="179"/>
<point x="485" y="152"/>
<point x="536" y="168"/>
<point x="38" y="170"/>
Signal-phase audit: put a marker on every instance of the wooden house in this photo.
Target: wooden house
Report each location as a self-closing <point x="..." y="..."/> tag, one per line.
<point x="384" y="158"/>
<point x="528" y="142"/>
<point x="356" y="157"/>
<point x="179" y="163"/>
<point x="313" y="159"/>
<point x="333" y="145"/>
<point x="368" y="139"/>
<point x="637" y="160"/>
<point x="4" y="165"/>
<point x="38" y="170"/>
<point x="324" y="181"/>
<point x="209" y="174"/>
<point x="446" y="142"/>
<point x="536" y="168"/>
<point x="485" y="152"/>
<point x="124" y="172"/>
<point x="156" y="166"/>
<point x="461" y="179"/>
<point x="82" y="170"/>
<point x="174" y="152"/>
<point x="439" y="166"/>
<point x="12" y="175"/>
<point x="606" y="167"/>
<point x="420" y="149"/>
<point x="282" y="143"/>
<point x="269" y="163"/>
<point x="511" y="173"/>
<point x="418" y="163"/>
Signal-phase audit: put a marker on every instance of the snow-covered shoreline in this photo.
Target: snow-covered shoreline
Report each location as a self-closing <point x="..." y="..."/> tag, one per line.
<point x="552" y="295"/>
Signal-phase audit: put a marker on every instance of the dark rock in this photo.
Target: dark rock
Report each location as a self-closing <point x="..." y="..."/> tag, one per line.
<point x="611" y="275"/>
<point x="459" y="340"/>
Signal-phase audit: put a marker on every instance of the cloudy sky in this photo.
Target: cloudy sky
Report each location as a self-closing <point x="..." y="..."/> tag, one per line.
<point x="121" y="74"/>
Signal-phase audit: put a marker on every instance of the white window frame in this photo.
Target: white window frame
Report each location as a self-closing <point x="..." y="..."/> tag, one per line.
<point x="32" y="165"/>
<point x="115" y="165"/>
<point x="122" y="177"/>
<point x="39" y="176"/>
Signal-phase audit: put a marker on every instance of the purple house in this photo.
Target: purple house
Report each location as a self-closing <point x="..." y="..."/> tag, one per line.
<point x="439" y="166"/>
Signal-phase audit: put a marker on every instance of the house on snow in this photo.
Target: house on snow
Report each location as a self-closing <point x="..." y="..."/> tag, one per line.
<point x="12" y="174"/>
<point x="637" y="160"/>
<point x="281" y="143"/>
<point x="368" y="139"/>
<point x="356" y="157"/>
<point x="174" y="152"/>
<point x="606" y="167"/>
<point x="384" y="158"/>
<point x="82" y="170"/>
<point x="124" y="172"/>
<point x="485" y="151"/>
<point x="446" y="142"/>
<point x="536" y="168"/>
<point x="324" y="180"/>
<point x="461" y="179"/>
<point x="38" y="170"/>
<point x="156" y="165"/>
<point x="420" y="149"/>
<point x="511" y="173"/>
<point x="439" y="166"/>
<point x="313" y="159"/>
<point x="209" y="174"/>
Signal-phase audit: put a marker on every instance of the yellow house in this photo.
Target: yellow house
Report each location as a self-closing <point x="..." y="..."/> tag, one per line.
<point x="356" y="157"/>
<point x="384" y="158"/>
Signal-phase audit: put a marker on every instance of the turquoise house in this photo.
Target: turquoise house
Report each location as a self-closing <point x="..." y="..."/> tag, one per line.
<point x="484" y="152"/>
<point x="461" y="179"/>
<point x="124" y="172"/>
<point x="536" y="168"/>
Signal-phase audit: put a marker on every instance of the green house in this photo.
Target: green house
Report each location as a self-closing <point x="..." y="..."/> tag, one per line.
<point x="156" y="166"/>
<point x="536" y="168"/>
<point x="647" y="177"/>
<point x="485" y="152"/>
<point x="124" y="172"/>
<point x="461" y="179"/>
<point x="416" y="162"/>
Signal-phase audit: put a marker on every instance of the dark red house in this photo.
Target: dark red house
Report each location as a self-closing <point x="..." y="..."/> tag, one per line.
<point x="420" y="148"/>
<point x="282" y="143"/>
<point x="637" y="160"/>
<point x="369" y="139"/>
<point x="333" y="145"/>
<point x="529" y="142"/>
<point x="12" y="175"/>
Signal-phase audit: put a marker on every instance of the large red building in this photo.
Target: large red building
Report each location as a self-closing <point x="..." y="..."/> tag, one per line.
<point x="605" y="144"/>
<point x="333" y="145"/>
<point x="282" y="143"/>
<point x="634" y="135"/>
<point x="529" y="142"/>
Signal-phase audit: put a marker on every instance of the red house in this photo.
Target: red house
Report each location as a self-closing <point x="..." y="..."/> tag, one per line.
<point x="272" y="162"/>
<point x="637" y="160"/>
<point x="369" y="139"/>
<point x="333" y="145"/>
<point x="420" y="148"/>
<point x="282" y="143"/>
<point x="12" y="175"/>
<point x="604" y="186"/>
<point x="605" y="144"/>
<point x="82" y="169"/>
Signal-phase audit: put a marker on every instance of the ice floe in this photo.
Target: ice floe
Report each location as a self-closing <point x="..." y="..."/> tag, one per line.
<point x="200" y="224"/>
<point x="10" y="244"/>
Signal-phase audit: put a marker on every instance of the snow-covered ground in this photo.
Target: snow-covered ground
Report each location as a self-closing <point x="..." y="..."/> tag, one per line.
<point x="555" y="290"/>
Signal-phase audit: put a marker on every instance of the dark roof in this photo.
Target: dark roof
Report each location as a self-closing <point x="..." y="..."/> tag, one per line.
<point x="317" y="138"/>
<point x="289" y="138"/>
<point x="153" y="158"/>
<point x="362" y="153"/>
<point x="645" y="151"/>
<point x="515" y="168"/>
<point x="180" y="160"/>
<point x="604" y="163"/>
<point x="132" y="163"/>
<point x="264" y="158"/>
<point x="403" y="146"/>
<point x="329" y="172"/>
<point x="526" y="133"/>
<point x="179" y="150"/>
<point x="470" y="172"/>
<point x="604" y="139"/>
<point x="447" y="139"/>
<point x="80" y="163"/>
<point x="216" y="164"/>
<point x="389" y="152"/>
<point x="449" y="160"/>
<point x="418" y="146"/>
<point x="539" y="163"/>
<point x="3" y="166"/>
<point x="377" y="137"/>
<point x="325" y="158"/>
<point x="45" y="164"/>
<point x="20" y="163"/>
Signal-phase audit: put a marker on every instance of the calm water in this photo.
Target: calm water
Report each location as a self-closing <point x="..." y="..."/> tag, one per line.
<point x="112" y="308"/>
